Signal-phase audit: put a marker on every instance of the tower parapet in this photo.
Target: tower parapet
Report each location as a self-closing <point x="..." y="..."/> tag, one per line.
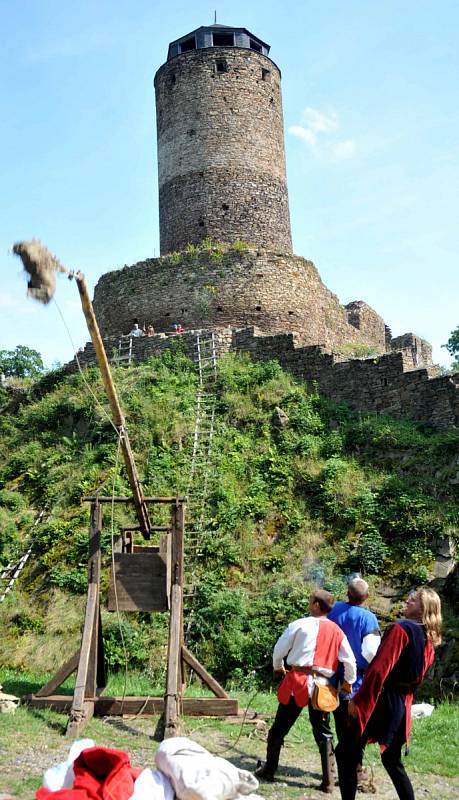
<point x="221" y="157"/>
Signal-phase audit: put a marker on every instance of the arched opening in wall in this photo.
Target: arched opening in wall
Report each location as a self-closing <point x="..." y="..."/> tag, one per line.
<point x="265" y="74"/>
<point x="201" y="222"/>
<point x="221" y="65"/>
<point x="184" y="310"/>
<point x="172" y="80"/>
<point x="219" y="308"/>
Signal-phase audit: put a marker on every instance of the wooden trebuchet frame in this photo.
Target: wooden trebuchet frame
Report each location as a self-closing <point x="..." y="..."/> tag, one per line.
<point x="157" y="588"/>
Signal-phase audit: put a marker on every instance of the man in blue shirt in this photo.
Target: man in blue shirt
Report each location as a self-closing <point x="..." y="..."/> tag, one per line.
<point x="362" y="630"/>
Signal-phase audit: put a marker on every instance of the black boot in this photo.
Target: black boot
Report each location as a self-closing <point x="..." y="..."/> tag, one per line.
<point x="266" y="771"/>
<point x="328" y="766"/>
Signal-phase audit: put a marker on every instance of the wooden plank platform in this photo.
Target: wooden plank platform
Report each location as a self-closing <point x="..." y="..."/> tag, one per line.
<point x="117" y="706"/>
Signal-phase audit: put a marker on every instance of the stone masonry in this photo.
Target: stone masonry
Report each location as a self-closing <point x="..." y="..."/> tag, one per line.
<point x="221" y="158"/>
<point x="278" y="293"/>
<point x="387" y="384"/>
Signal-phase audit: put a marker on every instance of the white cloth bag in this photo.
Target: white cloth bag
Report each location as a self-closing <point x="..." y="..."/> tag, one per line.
<point x="196" y="774"/>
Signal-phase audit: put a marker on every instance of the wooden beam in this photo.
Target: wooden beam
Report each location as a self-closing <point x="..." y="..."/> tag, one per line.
<point x="78" y="721"/>
<point x="94" y="574"/>
<point x="85" y="672"/>
<point x="202" y="673"/>
<point x="123" y="499"/>
<point x="173" y="688"/>
<point x="117" y="413"/>
<point x="142" y="706"/>
<point x="61" y="675"/>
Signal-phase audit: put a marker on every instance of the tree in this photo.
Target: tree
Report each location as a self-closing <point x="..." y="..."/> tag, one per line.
<point x="23" y="362"/>
<point x="452" y="345"/>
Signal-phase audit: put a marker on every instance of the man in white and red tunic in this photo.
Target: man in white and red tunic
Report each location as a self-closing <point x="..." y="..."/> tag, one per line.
<point x="312" y="648"/>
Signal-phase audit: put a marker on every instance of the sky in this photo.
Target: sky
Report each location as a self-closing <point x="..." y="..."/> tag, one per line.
<point x="371" y="112"/>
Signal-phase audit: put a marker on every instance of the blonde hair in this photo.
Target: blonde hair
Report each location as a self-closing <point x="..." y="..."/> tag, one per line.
<point x="431" y="614"/>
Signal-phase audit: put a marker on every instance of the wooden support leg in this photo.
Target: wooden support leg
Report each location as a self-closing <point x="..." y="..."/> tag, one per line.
<point x="173" y="687"/>
<point x="85" y="687"/>
<point x="173" y="698"/>
<point x="70" y="666"/>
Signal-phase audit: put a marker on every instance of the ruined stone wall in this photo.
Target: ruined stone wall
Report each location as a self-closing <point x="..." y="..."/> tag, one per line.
<point x="276" y="292"/>
<point x="377" y="385"/>
<point x="368" y="322"/>
<point x="418" y="352"/>
<point x="221" y="159"/>
<point x="380" y="385"/>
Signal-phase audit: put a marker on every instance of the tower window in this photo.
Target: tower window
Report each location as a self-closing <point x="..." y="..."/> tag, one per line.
<point x="265" y="73"/>
<point x="221" y="66"/>
<point x="188" y="44"/>
<point x="223" y="39"/>
<point x="255" y="46"/>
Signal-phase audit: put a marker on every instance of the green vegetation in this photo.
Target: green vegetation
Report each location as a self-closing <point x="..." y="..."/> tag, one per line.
<point x="22" y="362"/>
<point x="452" y="346"/>
<point x="289" y="504"/>
<point x="357" y="350"/>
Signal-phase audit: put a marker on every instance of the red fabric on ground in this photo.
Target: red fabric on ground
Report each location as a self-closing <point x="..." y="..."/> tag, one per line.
<point x="100" y="774"/>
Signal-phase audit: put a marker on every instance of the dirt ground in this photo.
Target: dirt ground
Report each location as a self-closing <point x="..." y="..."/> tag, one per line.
<point x="22" y="764"/>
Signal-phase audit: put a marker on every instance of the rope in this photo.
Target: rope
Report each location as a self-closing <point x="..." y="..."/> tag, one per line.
<point x="88" y="386"/>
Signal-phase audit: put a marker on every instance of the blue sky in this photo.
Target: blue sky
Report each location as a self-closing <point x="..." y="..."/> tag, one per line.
<point x="371" y="109"/>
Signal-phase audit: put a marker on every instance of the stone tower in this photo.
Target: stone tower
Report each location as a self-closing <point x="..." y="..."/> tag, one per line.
<point x="221" y="158"/>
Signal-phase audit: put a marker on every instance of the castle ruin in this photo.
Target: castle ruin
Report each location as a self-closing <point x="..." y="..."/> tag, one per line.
<point x="226" y="259"/>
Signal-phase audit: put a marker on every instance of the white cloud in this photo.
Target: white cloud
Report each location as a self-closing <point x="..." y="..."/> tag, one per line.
<point x="319" y="122"/>
<point x="343" y="150"/>
<point x="318" y="130"/>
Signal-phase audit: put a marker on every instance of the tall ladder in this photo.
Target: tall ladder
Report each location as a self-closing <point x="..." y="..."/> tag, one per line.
<point x="12" y="571"/>
<point x="205" y="356"/>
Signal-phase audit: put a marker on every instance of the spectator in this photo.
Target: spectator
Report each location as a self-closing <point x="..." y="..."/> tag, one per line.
<point x="362" y="630"/>
<point x="381" y="709"/>
<point x="136" y="331"/>
<point x="312" y="647"/>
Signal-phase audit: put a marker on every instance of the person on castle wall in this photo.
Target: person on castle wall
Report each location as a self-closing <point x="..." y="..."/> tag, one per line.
<point x="362" y="630"/>
<point x="381" y="709"/>
<point x="150" y="330"/>
<point x="136" y="330"/>
<point x="312" y="648"/>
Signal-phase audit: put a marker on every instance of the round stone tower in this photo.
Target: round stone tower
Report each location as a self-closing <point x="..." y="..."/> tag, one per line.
<point x="221" y="158"/>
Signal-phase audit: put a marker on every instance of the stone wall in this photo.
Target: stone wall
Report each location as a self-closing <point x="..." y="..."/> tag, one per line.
<point x="368" y="322"/>
<point x="381" y="385"/>
<point x="273" y="291"/>
<point x="377" y="385"/>
<point x="417" y="351"/>
<point x="221" y="159"/>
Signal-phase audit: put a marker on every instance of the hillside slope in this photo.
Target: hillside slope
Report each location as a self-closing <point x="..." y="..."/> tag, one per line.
<point x="299" y="492"/>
